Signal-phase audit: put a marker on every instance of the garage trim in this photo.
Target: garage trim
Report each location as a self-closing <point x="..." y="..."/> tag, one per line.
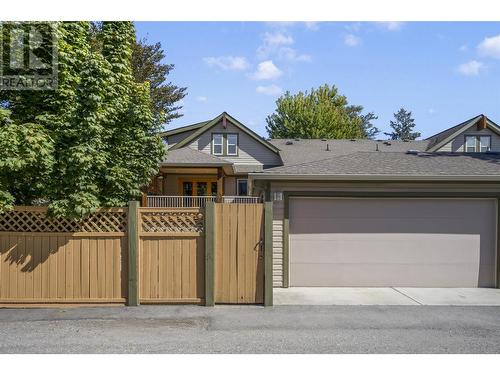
<point x="401" y="194"/>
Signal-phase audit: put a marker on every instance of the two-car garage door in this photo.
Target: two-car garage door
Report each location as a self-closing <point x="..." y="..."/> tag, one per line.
<point x="392" y="242"/>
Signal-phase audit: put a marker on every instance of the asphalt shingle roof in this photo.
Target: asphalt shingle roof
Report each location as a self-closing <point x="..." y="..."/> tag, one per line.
<point x="397" y="164"/>
<point x="307" y="150"/>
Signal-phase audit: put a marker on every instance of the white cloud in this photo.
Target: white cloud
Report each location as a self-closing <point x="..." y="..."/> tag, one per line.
<point x="269" y="90"/>
<point x="353" y="27"/>
<point x="292" y="55"/>
<point x="490" y="47"/>
<point x="463" y="47"/>
<point x="313" y="26"/>
<point x="278" y="45"/>
<point x="431" y="111"/>
<point x="278" y="38"/>
<point x="266" y="70"/>
<point x="227" y="62"/>
<point x="391" y="25"/>
<point x="202" y="98"/>
<point x="471" y="68"/>
<point x="352" y="40"/>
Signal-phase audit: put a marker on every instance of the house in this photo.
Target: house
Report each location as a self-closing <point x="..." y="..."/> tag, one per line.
<point x="353" y="212"/>
<point x="211" y="160"/>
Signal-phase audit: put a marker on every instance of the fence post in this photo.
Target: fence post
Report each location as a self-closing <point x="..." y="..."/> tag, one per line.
<point x="209" y="254"/>
<point x="133" y="244"/>
<point x="268" y="253"/>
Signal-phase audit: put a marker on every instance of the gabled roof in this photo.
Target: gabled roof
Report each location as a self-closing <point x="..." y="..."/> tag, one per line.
<point x="187" y="156"/>
<point x="209" y="124"/>
<point x="440" y="139"/>
<point x="183" y="129"/>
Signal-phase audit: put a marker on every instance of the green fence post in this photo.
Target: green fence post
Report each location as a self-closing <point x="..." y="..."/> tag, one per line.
<point x="133" y="244"/>
<point x="268" y="253"/>
<point x="209" y="254"/>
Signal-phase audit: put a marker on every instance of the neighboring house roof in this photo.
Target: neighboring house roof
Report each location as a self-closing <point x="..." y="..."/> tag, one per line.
<point x="393" y="165"/>
<point x="295" y="151"/>
<point x="440" y="139"/>
<point x="187" y="156"/>
<point x="209" y="124"/>
<point x="183" y="129"/>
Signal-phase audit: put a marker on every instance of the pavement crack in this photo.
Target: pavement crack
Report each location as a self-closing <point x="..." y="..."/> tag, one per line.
<point x="406" y="295"/>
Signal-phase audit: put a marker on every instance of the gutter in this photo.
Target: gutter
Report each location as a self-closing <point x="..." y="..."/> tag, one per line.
<point x="369" y="177"/>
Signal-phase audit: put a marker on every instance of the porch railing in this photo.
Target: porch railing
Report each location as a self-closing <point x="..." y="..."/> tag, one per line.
<point x="240" y="199"/>
<point x="183" y="201"/>
<point x="178" y="201"/>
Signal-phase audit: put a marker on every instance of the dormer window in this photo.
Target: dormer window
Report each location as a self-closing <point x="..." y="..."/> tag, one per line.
<point x="217" y="144"/>
<point x="224" y="144"/>
<point x="477" y="143"/>
<point x="232" y="144"/>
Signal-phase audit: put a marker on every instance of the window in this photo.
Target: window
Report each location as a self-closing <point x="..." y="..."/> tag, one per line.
<point x="242" y="187"/>
<point x="217" y="142"/>
<point x="478" y="143"/>
<point x="232" y="144"/>
<point x="470" y="144"/>
<point x="484" y="144"/>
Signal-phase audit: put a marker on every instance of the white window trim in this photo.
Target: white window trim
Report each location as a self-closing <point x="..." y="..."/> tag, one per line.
<point x="221" y="144"/>
<point x="477" y="143"/>
<point x="236" y="145"/>
<point x="238" y="186"/>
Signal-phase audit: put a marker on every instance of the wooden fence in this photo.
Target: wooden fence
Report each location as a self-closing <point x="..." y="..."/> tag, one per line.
<point x="62" y="261"/>
<point x="218" y="254"/>
<point x="171" y="255"/>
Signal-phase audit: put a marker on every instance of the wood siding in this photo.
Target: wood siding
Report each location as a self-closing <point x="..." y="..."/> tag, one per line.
<point x="249" y="150"/>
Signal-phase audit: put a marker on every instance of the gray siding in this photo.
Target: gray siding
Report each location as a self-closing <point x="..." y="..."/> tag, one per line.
<point x="457" y="144"/>
<point x="279" y="206"/>
<point x="249" y="150"/>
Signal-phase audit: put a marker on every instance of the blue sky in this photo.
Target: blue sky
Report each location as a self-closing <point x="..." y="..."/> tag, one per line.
<point x="444" y="72"/>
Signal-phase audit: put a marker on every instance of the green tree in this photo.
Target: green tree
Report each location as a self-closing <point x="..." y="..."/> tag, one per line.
<point x="321" y="113"/>
<point x="402" y="126"/>
<point x="103" y="136"/>
<point x="147" y="66"/>
<point x="369" y="130"/>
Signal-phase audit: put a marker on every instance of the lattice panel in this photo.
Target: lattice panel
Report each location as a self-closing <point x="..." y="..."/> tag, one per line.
<point x="173" y="221"/>
<point x="37" y="221"/>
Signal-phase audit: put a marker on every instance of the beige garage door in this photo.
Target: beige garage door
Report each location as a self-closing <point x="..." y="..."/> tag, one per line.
<point x="392" y="242"/>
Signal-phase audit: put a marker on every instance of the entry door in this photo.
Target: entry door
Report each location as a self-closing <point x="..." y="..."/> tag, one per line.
<point x="392" y="242"/>
<point x="239" y="253"/>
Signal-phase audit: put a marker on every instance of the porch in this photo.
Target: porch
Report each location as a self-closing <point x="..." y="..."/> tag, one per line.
<point x="195" y="186"/>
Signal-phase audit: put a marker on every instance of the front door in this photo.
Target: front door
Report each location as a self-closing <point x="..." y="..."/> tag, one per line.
<point x="198" y="187"/>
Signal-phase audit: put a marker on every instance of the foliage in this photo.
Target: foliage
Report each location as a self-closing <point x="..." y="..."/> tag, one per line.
<point x="321" y="113"/>
<point x="94" y="138"/>
<point x="403" y="126"/>
<point x="368" y="130"/>
<point x="147" y="66"/>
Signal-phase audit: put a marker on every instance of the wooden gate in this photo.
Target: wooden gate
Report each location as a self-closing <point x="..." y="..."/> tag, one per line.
<point x="239" y="253"/>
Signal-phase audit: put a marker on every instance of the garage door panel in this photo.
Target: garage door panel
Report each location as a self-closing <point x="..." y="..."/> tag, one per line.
<point x="373" y="248"/>
<point x="392" y="242"/>
<point x="385" y="275"/>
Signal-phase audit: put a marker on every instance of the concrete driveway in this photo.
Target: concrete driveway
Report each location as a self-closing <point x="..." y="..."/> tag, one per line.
<point x="388" y="296"/>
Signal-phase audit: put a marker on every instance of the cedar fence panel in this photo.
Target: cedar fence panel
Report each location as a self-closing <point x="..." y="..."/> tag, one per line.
<point x="44" y="260"/>
<point x="171" y="255"/>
